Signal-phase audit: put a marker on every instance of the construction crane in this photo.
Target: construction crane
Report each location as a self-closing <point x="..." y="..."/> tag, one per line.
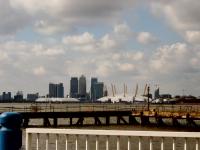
<point x="112" y="90"/>
<point x="115" y="91"/>
<point x="145" y="90"/>
<point x="124" y="90"/>
<point x="136" y="90"/>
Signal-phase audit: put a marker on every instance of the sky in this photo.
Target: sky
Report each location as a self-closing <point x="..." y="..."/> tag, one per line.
<point x="120" y="42"/>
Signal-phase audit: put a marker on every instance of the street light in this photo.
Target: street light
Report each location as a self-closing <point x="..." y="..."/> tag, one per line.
<point x="148" y="92"/>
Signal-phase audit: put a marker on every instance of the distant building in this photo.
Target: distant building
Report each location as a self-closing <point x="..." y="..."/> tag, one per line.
<point x="165" y="96"/>
<point x="32" y="97"/>
<point x="157" y="94"/>
<point x="82" y="87"/>
<point x="56" y="90"/>
<point x="52" y="90"/>
<point x="60" y="90"/>
<point x="92" y="92"/>
<point x="6" y="96"/>
<point x="18" y="96"/>
<point x="74" y="87"/>
<point x="98" y="90"/>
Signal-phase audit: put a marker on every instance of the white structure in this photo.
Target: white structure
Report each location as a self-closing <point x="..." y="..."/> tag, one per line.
<point x="122" y="98"/>
<point x="57" y="100"/>
<point x="107" y="136"/>
<point x="134" y="98"/>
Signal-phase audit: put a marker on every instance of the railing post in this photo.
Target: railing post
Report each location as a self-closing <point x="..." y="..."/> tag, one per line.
<point x="140" y="144"/>
<point x="97" y="142"/>
<point x="173" y="144"/>
<point x="86" y="142"/>
<point x="129" y="144"/>
<point x="107" y="142"/>
<point x="37" y="141"/>
<point x="57" y="141"/>
<point x="66" y="142"/>
<point x="47" y="141"/>
<point x="10" y="132"/>
<point x="150" y="143"/>
<point x="162" y="143"/>
<point x="185" y="143"/>
<point x="118" y="142"/>
<point x="197" y="144"/>
<point x="28" y="141"/>
<point x="76" y="142"/>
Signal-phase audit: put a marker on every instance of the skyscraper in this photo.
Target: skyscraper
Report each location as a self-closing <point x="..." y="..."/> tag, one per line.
<point x="6" y="96"/>
<point x="93" y="82"/>
<point x="74" y="87"/>
<point x="18" y="96"/>
<point x="60" y="90"/>
<point x="52" y="90"/>
<point x="157" y="93"/>
<point x="32" y="96"/>
<point x="98" y="90"/>
<point x="56" y="90"/>
<point x="82" y="86"/>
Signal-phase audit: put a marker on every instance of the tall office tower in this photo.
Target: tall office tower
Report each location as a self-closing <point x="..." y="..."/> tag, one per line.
<point x="82" y="86"/>
<point x="6" y="96"/>
<point x="52" y="90"/>
<point x="60" y="90"/>
<point x="92" y="94"/>
<point x="32" y="96"/>
<point x="74" y="87"/>
<point x="56" y="90"/>
<point x="98" y="90"/>
<point x="18" y="96"/>
<point x="157" y="93"/>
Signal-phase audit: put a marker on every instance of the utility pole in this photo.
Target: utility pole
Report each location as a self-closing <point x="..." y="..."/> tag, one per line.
<point x="148" y="92"/>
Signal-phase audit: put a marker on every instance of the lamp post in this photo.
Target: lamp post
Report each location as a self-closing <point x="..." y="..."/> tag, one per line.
<point x="148" y="92"/>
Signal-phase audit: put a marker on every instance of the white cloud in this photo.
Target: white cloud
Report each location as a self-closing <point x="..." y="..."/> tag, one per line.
<point x="86" y="42"/>
<point x="116" y="57"/>
<point x="134" y="56"/>
<point x="146" y="38"/>
<point x="41" y="50"/>
<point x="83" y="43"/>
<point x="175" y="67"/>
<point x="4" y="56"/>
<point x="85" y="38"/>
<point x="104" y="69"/>
<point x="172" y="58"/>
<point x="193" y="37"/>
<point x="181" y="15"/>
<point x="107" y="42"/>
<point x="123" y="31"/>
<point x="126" y="67"/>
<point x="39" y="71"/>
<point x="48" y="28"/>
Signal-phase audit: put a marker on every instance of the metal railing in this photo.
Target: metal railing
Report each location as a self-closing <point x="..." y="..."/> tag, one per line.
<point x="68" y="107"/>
<point x="79" y="139"/>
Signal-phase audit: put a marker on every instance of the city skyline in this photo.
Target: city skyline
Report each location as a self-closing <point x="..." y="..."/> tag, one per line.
<point x="58" y="89"/>
<point x="132" y="42"/>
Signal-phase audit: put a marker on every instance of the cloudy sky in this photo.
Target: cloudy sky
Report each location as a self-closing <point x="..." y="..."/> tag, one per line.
<point x="129" y="41"/>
